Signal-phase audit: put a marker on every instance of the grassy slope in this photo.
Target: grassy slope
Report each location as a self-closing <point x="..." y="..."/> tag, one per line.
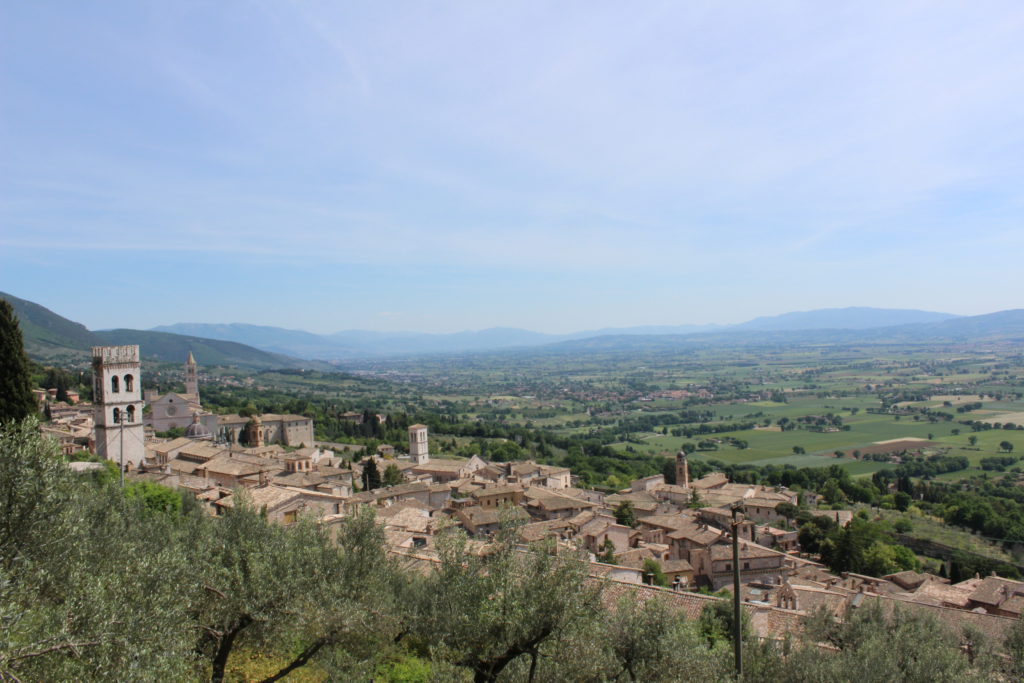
<point x="44" y="329"/>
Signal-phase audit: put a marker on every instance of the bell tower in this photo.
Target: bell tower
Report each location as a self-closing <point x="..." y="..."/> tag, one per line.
<point x="419" y="451"/>
<point x="117" y="404"/>
<point x="192" y="377"/>
<point x="682" y="470"/>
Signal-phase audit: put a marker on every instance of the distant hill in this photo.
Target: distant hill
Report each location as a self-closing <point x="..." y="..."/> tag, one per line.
<point x="1000" y="326"/>
<point x="175" y="347"/>
<point x="355" y="344"/>
<point x="49" y="336"/>
<point x="273" y="339"/>
<point x="853" y="318"/>
<point x="351" y="344"/>
<point x="260" y="346"/>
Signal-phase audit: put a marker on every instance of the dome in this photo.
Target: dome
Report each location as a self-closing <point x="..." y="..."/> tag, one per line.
<point x="197" y="430"/>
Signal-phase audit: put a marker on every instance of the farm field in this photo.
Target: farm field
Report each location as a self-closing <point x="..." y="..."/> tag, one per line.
<point x="796" y="405"/>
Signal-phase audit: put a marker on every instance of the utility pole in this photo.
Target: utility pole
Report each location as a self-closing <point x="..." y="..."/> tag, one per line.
<point x="120" y="419"/>
<point x="737" y="631"/>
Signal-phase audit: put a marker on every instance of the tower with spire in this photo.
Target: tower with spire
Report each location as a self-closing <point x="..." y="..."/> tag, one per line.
<point x="192" y="377"/>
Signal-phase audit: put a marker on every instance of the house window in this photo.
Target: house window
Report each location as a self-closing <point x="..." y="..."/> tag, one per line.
<point x="114" y="385"/>
<point x="117" y="415"/>
<point x="746" y="565"/>
<point x="291" y="517"/>
<point x="131" y="414"/>
<point x="129" y="383"/>
<point x="728" y="567"/>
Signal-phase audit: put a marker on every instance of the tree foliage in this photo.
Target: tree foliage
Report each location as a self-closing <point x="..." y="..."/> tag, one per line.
<point x="625" y="513"/>
<point x="16" y="399"/>
<point x="484" y="611"/>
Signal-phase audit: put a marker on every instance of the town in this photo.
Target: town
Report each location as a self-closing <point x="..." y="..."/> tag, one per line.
<point x="673" y="538"/>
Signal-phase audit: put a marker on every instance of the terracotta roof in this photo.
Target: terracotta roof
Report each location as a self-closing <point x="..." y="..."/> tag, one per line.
<point x="546" y="499"/>
<point x="168" y="446"/>
<point x="536" y="531"/>
<point x="270" y="497"/>
<point x="667" y="521"/>
<point x="996" y="591"/>
<point x="747" y="551"/>
<point x="441" y="466"/>
<point x="709" y="480"/>
<point x="230" y="466"/>
<point x="496" y="491"/>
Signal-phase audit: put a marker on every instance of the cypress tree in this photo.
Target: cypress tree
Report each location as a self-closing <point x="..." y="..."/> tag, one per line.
<point x="62" y="387"/>
<point x="371" y="475"/>
<point x="16" y="399"/>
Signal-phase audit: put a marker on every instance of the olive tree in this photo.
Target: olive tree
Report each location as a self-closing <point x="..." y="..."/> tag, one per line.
<point x="266" y="584"/>
<point x="485" y="610"/>
<point x="88" y="580"/>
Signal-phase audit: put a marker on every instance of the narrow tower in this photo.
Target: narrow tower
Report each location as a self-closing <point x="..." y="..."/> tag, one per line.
<point x="192" y="377"/>
<point x="419" y="453"/>
<point x="117" y="404"/>
<point x="256" y="432"/>
<point x="682" y="470"/>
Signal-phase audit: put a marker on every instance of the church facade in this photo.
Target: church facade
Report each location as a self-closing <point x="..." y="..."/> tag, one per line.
<point x="176" y="410"/>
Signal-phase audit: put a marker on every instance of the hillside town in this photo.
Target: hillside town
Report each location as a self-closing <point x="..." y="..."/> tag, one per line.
<point x="673" y="541"/>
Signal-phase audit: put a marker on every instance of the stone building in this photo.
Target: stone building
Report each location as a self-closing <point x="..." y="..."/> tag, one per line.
<point x="117" y="404"/>
<point x="287" y="430"/>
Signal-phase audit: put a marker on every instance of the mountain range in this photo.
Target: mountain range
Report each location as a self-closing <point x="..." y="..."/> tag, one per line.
<point x="353" y="344"/>
<point x="49" y="336"/>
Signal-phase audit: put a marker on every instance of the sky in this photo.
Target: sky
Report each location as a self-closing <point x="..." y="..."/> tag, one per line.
<point x="562" y="166"/>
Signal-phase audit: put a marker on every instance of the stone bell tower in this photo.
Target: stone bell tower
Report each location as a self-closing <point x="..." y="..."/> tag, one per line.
<point x="682" y="470"/>
<point x="117" y="404"/>
<point x="419" y="451"/>
<point x="192" y="377"/>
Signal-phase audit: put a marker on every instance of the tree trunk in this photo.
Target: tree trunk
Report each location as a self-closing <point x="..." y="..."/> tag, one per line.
<point x="220" y="658"/>
<point x="533" y="665"/>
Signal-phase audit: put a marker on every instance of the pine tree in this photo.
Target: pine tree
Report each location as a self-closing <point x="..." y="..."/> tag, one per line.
<point x="16" y="399"/>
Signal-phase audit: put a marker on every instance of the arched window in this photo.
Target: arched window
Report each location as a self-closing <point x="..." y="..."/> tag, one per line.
<point x="129" y="383"/>
<point x="131" y="409"/>
<point x="117" y="414"/>
<point x="114" y="387"/>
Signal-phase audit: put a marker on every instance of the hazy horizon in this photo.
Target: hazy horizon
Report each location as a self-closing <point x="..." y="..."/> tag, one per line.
<point x="593" y="328"/>
<point x="453" y="167"/>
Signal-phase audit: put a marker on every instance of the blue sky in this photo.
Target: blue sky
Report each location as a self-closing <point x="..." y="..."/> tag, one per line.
<point x="554" y="166"/>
